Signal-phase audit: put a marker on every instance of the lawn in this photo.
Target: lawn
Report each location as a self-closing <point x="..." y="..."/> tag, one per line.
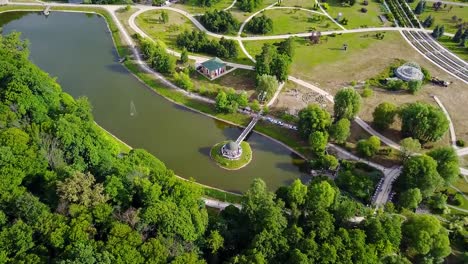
<point x="444" y="16"/>
<point x="290" y="21"/>
<point x="151" y="24"/>
<point x="330" y="50"/>
<point x="241" y="15"/>
<point x="191" y="6"/>
<point x="461" y="52"/>
<point x="307" y="4"/>
<point x="356" y="18"/>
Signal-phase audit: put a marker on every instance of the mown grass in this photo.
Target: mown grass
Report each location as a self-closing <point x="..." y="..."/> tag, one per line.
<point x="329" y="50"/>
<point x="290" y="21"/>
<point x="356" y="18"/>
<point x="443" y="16"/>
<point x="192" y="7"/>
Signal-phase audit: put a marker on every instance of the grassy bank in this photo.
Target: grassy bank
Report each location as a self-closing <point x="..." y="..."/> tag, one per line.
<point x="224" y="163"/>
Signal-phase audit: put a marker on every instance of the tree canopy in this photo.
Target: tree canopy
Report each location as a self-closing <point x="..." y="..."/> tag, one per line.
<point x="423" y="122"/>
<point x="347" y="103"/>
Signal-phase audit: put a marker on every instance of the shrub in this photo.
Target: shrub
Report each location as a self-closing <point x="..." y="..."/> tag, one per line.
<point x="414" y="86"/>
<point x="367" y="92"/>
<point x="460" y="143"/>
<point x="183" y="80"/>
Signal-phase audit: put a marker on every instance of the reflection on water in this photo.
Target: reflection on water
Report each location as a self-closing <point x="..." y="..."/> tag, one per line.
<point x="132" y="109"/>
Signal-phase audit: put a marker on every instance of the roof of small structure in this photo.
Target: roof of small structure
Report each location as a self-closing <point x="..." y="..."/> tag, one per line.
<point x="409" y="72"/>
<point x="213" y="64"/>
<point x="232" y="146"/>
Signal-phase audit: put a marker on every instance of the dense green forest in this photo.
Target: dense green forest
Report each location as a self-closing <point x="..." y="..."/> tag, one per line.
<point x="67" y="195"/>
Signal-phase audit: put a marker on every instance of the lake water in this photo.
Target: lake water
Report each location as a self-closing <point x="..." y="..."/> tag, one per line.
<point x="78" y="50"/>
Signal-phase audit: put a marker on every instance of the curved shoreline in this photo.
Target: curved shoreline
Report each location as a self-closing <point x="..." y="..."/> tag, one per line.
<point x="38" y="9"/>
<point x="226" y="168"/>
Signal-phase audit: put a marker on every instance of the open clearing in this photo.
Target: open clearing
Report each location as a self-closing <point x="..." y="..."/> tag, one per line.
<point x="329" y="67"/>
<point x="356" y="18"/>
<point x="290" y="21"/>
<point x="192" y="7"/>
<point x="241" y="15"/>
<point x="152" y="25"/>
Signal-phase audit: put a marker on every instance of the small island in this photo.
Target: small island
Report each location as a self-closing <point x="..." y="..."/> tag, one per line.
<point x="231" y="156"/>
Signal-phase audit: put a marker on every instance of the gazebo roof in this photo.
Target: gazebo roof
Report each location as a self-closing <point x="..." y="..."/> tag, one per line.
<point x="213" y="64"/>
<point x="232" y="146"/>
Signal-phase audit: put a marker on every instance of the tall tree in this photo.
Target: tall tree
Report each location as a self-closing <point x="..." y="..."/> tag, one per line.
<point x="266" y="84"/>
<point x="340" y="131"/>
<point x="447" y="163"/>
<point x="410" y="198"/>
<point x="384" y="115"/>
<point x="347" y="103"/>
<point x="313" y="118"/>
<point x="318" y="141"/>
<point x="423" y="122"/>
<point x="420" y="172"/>
<point x="408" y="147"/>
<point x="419" y="8"/>
<point x="424" y="236"/>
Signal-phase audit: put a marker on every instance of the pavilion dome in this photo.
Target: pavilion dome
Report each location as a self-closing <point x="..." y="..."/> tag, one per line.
<point x="409" y="72"/>
<point x="232" y="146"/>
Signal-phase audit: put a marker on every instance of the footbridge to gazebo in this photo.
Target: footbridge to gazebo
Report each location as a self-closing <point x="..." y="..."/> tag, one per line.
<point x="248" y="129"/>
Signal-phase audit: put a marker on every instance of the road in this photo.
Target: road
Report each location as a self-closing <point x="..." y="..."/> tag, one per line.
<point x="383" y="193"/>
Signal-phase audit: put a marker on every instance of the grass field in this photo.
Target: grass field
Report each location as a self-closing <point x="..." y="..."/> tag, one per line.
<point x="191" y="6"/>
<point x="330" y="50"/>
<point x="241" y="15"/>
<point x="443" y="16"/>
<point x="461" y="52"/>
<point x="290" y="21"/>
<point x="356" y="18"/>
<point x="307" y="4"/>
<point x="331" y="68"/>
<point x="150" y="23"/>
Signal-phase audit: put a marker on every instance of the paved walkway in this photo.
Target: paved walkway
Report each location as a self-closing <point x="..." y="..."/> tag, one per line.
<point x="278" y="91"/>
<point x="218" y="204"/>
<point x="462" y="152"/>
<point x="453" y="137"/>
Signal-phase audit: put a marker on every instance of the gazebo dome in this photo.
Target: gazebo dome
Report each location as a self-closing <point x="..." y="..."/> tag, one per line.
<point x="231" y="150"/>
<point x="409" y="72"/>
<point x="232" y="146"/>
